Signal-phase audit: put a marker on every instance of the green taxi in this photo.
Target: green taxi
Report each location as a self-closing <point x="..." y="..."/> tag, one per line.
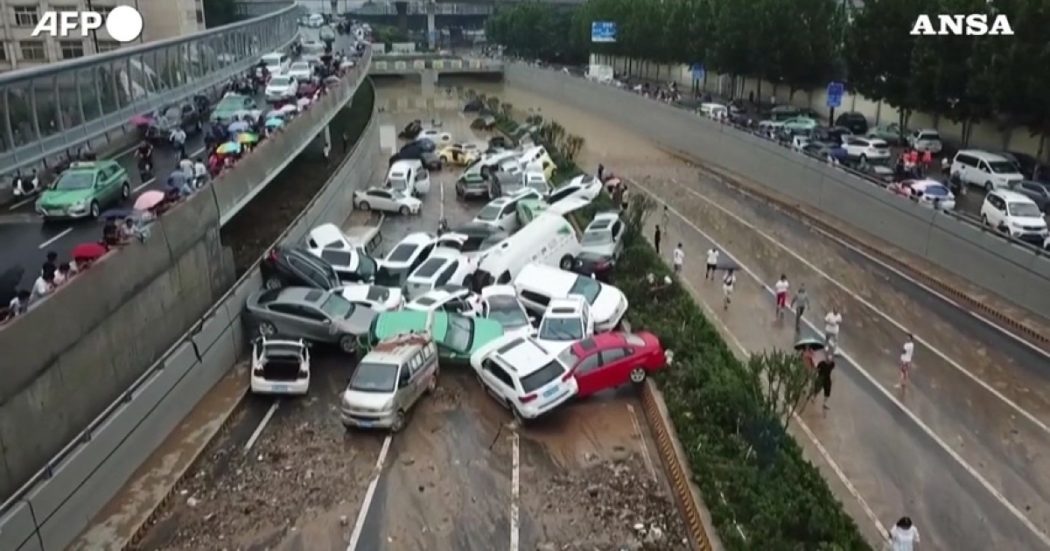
<point x="229" y="105"/>
<point x="83" y="190"/>
<point x="529" y="209"/>
<point x="457" y="336"/>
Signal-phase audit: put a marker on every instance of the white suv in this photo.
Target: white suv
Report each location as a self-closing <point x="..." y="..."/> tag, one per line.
<point x="566" y="321"/>
<point x="524" y="376"/>
<point x="1016" y="214"/>
<point x="866" y="149"/>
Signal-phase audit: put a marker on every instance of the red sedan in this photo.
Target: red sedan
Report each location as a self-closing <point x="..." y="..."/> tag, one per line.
<point x="609" y="360"/>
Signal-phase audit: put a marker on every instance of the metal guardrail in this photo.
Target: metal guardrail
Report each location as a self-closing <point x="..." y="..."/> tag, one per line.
<point x="48" y="110"/>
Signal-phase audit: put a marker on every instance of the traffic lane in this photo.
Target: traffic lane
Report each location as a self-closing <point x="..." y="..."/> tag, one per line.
<point x="987" y="431"/>
<point x="896" y="467"/>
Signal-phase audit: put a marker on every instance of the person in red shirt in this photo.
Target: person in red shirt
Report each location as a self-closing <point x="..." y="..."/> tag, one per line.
<point x="927" y="161"/>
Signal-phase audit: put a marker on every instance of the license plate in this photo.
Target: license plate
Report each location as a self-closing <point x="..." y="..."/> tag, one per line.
<point x="280" y="388"/>
<point x="365" y="424"/>
<point x="551" y="392"/>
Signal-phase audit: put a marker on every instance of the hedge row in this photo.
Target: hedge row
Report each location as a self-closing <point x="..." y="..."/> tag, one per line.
<point x="761" y="491"/>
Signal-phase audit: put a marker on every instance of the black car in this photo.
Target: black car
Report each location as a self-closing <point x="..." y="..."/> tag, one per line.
<point x="857" y="123"/>
<point x="296" y="266"/>
<point x="479" y="236"/>
<point x="411" y="130"/>
<point x="1039" y="192"/>
<point x="599" y="265"/>
<point x="186" y="115"/>
<point x="831" y="135"/>
<point x="1027" y="165"/>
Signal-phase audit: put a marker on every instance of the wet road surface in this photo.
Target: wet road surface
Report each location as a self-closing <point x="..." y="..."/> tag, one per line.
<point x="963" y="451"/>
<point x="460" y="476"/>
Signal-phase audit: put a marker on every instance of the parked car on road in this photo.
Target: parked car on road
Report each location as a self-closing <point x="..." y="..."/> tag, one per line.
<point x="443" y="267"/>
<point x="404" y="257"/>
<point x="1038" y="192"/>
<point x="856" y="122"/>
<point x="473" y="184"/>
<point x="382" y="199"/>
<point x="866" y="149"/>
<point x="280" y="366"/>
<point x="83" y="190"/>
<point x="350" y="261"/>
<point x="609" y="360"/>
<point x="1015" y="214"/>
<point x="454" y="299"/>
<point x="604" y="235"/>
<point x="972" y="167"/>
<point x="301" y="71"/>
<point x="583" y="187"/>
<point x="310" y="314"/>
<point x="281" y="88"/>
<point x="296" y="266"/>
<point x="926" y="139"/>
<point x="436" y="136"/>
<point x="457" y="336"/>
<point x="594" y="265"/>
<point x="538" y="285"/>
<point x="458" y="154"/>
<point x="389" y="381"/>
<point x="523" y="376"/>
<point x="471" y="240"/>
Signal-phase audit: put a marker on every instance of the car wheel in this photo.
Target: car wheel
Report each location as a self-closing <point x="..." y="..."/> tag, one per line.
<point x="433" y="383"/>
<point x="125" y="190"/>
<point x="637" y="375"/>
<point x="348" y="344"/>
<point x="566" y="262"/>
<point x="363" y="205"/>
<point x="95" y="211"/>
<point x="399" y="421"/>
<point x="988" y="187"/>
<point x="267" y="329"/>
<point x="403" y="210"/>
<point x="984" y="220"/>
<point x="863" y="158"/>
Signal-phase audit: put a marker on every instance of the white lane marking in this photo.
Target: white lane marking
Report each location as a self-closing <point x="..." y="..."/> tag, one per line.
<point x="57" y="236"/>
<point x="871" y="379"/>
<point x="143" y="184"/>
<point x="992" y="390"/>
<point x="262" y="425"/>
<point x="369" y="496"/>
<point x="441" y="186"/>
<point x="27" y="200"/>
<point x="641" y="436"/>
<point x="1005" y="331"/>
<point x="515" y="479"/>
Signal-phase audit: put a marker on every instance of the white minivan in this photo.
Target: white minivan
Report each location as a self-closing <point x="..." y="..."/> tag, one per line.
<point x="408" y="177"/>
<point x="973" y="167"/>
<point x="539" y="285"/>
<point x="549" y="239"/>
<point x="276" y="62"/>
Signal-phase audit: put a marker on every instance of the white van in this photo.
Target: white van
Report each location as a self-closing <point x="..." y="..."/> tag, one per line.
<point x="315" y="20"/>
<point x="973" y="167"/>
<point x="406" y="172"/>
<point x="276" y="62"/>
<point x="539" y="285"/>
<point x="549" y="239"/>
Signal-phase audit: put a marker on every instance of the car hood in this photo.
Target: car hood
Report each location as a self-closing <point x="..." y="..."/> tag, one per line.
<point x="64" y="197"/>
<point x="373" y="401"/>
<point x="359" y="322"/>
<point x="1032" y="221"/>
<point x="609" y="303"/>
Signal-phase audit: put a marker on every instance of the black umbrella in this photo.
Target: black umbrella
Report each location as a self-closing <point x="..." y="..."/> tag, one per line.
<point x="727" y="264"/>
<point x="9" y="281"/>
<point x="809" y="343"/>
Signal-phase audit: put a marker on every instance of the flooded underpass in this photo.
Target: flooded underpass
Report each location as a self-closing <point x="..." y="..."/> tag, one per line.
<point x="286" y="474"/>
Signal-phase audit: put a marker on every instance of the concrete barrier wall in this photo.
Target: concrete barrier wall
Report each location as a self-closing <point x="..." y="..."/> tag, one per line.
<point x="53" y="512"/>
<point x="76" y="351"/>
<point x="1018" y="274"/>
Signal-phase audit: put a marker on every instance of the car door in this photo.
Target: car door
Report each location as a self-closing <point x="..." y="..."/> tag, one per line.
<point x="997" y="212"/>
<point x="981" y="174"/>
<point x="315" y="323"/>
<point x="588" y="377"/>
<point x="447" y="274"/>
<point x="508" y="218"/>
<point x="406" y="386"/>
<point x="381" y="200"/>
<point x="497" y="381"/>
<point x="287" y="320"/>
<point x="615" y="367"/>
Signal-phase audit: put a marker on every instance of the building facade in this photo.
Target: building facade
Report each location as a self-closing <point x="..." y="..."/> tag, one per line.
<point x="19" y="49"/>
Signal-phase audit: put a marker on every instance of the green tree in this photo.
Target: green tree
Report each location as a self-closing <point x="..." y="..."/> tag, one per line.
<point x="731" y="50"/>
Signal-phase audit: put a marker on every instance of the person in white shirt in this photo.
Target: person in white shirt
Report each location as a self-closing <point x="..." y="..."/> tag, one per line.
<point x="831" y="329"/>
<point x="678" y="258"/>
<point x="781" y="288"/>
<point x="178" y="139"/>
<point x="200" y="173"/>
<point x="903" y="535"/>
<point x="43" y="286"/>
<point x="727" y="288"/>
<point x="907" y="351"/>
<point x="712" y="263"/>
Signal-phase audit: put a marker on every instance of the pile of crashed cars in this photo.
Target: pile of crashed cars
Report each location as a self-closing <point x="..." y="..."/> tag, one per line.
<point x="517" y="296"/>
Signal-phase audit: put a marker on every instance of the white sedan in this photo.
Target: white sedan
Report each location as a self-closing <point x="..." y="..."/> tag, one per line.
<point x="500" y="303"/>
<point x="584" y="187"/>
<point x="281" y="87"/>
<point x="930" y="193"/>
<point x="376" y="297"/>
<point x="386" y="200"/>
<point x="301" y="71"/>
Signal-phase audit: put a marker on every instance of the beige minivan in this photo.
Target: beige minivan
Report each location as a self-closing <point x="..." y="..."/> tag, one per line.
<point x="388" y="381"/>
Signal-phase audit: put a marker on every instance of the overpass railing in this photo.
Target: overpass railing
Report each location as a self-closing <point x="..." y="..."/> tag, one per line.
<point x="48" y="110"/>
<point x="426" y="8"/>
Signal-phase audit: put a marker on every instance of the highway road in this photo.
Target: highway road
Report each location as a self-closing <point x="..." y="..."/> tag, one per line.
<point x="963" y="450"/>
<point x="461" y="476"/>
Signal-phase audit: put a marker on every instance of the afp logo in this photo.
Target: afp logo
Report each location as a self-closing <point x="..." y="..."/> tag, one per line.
<point x="974" y="24"/>
<point x="124" y="23"/>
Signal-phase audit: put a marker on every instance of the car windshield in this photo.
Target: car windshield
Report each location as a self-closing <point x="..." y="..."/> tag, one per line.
<point x="300" y="66"/>
<point x="337" y="307"/>
<point x="596" y="238"/>
<point x="936" y="191"/>
<point x="460" y="333"/>
<point x="390" y="277"/>
<point x="507" y="312"/>
<point x="561" y="329"/>
<point x="490" y="212"/>
<point x="401" y="253"/>
<point x="1027" y="210"/>
<point x="373" y="377"/>
<point x="75" y="180"/>
<point x="1002" y="167"/>
<point x="542" y="376"/>
<point x="586" y="287"/>
<point x="280" y="81"/>
<point x="378" y="294"/>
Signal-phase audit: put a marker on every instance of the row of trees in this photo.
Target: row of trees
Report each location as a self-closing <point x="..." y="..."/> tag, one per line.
<point x="804" y="44"/>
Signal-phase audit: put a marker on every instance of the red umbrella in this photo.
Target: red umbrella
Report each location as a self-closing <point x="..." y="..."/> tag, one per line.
<point x="141" y="120"/>
<point x="88" y="251"/>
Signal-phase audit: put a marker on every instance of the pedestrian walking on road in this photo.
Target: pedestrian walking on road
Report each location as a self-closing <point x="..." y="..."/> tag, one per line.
<point x="823" y="383"/>
<point x="781" y="288"/>
<point x="678" y="258"/>
<point x="601" y="171"/>
<point x="799" y="303"/>
<point x="728" y="282"/>
<point x="904" y="535"/>
<point x="666" y="218"/>
<point x="656" y="239"/>
<point x="907" y="352"/>
<point x="712" y="263"/>
<point x="832" y="321"/>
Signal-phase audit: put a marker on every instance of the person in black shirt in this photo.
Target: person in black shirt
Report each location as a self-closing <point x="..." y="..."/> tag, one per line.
<point x="823" y="382"/>
<point x="656" y="239"/>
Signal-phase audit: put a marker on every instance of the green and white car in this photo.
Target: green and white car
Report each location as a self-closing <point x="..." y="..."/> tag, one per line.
<point x="84" y="190"/>
<point x="229" y="105"/>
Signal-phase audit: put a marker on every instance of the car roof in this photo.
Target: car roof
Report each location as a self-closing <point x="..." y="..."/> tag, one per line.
<point x="433" y="266"/>
<point x="983" y="155"/>
<point x="602" y="341"/>
<point x="498" y="291"/>
<point x="1013" y="196"/>
<point x="300" y="294"/>
<point x="397" y="349"/>
<point x="524" y="355"/>
<point x="570" y="306"/>
<point x="327" y="234"/>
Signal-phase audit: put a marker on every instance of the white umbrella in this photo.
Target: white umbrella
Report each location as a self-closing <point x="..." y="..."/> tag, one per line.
<point x="288" y="109"/>
<point x="303" y="102"/>
<point x="238" y="126"/>
<point x="276" y="113"/>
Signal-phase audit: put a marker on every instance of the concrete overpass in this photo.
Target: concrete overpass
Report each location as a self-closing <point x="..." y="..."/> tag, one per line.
<point x="432" y="67"/>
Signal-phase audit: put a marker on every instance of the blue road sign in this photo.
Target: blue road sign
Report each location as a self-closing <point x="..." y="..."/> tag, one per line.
<point x="835" y="93"/>
<point x="603" y="31"/>
<point x="698" y="71"/>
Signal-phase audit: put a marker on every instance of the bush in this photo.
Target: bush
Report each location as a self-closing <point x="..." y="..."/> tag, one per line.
<point x="731" y="416"/>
